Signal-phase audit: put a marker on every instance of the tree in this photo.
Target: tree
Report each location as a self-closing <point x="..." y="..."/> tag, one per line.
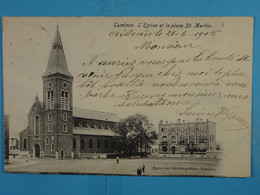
<point x="135" y="134"/>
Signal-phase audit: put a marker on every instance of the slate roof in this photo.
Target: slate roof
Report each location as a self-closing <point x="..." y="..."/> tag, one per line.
<point x="57" y="61"/>
<point x="92" y="131"/>
<point x="93" y="114"/>
<point x="36" y="101"/>
<point x="23" y="131"/>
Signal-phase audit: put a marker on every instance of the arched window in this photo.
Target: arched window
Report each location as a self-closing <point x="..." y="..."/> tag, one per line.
<point x="65" y="128"/>
<point x="24" y="143"/>
<point x="49" y="127"/>
<point x="164" y="138"/>
<point x="92" y="124"/>
<point x="164" y="148"/>
<point x="64" y="100"/>
<point x="52" y="147"/>
<point x="191" y="139"/>
<point x="181" y="140"/>
<point x="36" y="125"/>
<point x="82" y="145"/>
<point x="80" y="124"/>
<point x="47" y="141"/>
<point x="105" y="144"/>
<point x="50" y="116"/>
<point x="90" y="144"/>
<point x="74" y="143"/>
<point x="50" y="99"/>
<point x="98" y="143"/>
<point x="65" y="116"/>
<point x="173" y="139"/>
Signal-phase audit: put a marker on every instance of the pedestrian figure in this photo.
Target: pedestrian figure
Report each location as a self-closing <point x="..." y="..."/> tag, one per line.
<point x="143" y="167"/>
<point x="139" y="171"/>
<point x="117" y="160"/>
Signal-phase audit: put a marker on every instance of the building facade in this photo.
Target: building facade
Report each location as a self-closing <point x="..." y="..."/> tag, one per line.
<point x="13" y="144"/>
<point x="183" y="137"/>
<point x="55" y="127"/>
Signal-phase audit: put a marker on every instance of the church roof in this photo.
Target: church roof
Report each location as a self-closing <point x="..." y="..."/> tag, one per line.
<point x="57" y="61"/>
<point x="36" y="101"/>
<point x="93" y="114"/>
<point x="92" y="131"/>
<point x="23" y="131"/>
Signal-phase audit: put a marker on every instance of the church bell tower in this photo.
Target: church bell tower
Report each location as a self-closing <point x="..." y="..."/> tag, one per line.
<point x="57" y="103"/>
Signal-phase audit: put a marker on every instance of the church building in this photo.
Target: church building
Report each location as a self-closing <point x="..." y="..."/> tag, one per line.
<point x="56" y="128"/>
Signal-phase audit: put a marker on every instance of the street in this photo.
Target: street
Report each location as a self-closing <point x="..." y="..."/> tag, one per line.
<point x="153" y="166"/>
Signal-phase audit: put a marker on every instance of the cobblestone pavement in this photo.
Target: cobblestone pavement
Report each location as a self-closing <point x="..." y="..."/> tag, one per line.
<point x="153" y="166"/>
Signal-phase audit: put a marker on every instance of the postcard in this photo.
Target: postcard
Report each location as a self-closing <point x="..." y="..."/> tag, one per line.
<point x="143" y="96"/>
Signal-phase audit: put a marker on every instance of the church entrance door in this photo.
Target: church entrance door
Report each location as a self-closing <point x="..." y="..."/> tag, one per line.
<point x="37" y="151"/>
<point x="62" y="154"/>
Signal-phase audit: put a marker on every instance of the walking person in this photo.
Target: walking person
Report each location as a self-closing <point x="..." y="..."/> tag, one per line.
<point x="139" y="171"/>
<point x="143" y="168"/>
<point x="117" y="160"/>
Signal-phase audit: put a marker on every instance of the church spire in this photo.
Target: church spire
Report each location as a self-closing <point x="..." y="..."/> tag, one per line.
<point x="57" y="61"/>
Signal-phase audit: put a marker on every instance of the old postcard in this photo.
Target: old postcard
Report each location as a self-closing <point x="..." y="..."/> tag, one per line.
<point x="146" y="96"/>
